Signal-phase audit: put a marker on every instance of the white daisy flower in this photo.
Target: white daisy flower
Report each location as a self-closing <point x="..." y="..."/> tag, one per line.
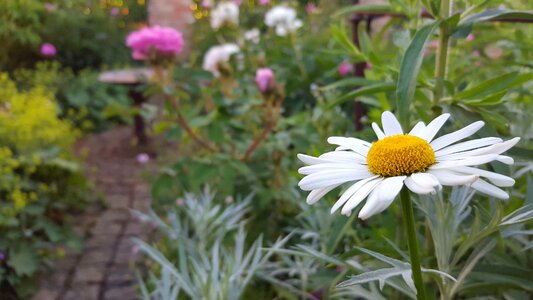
<point x="284" y="19"/>
<point x="225" y="13"/>
<point x="416" y="159"/>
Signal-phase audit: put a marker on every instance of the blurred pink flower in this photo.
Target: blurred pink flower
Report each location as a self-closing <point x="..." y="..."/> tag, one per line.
<point x="434" y="44"/>
<point x="50" y="7"/>
<point x="265" y="79"/>
<point x="345" y="68"/>
<point x="339" y="268"/>
<point x="114" y="11"/>
<point x="205" y="4"/>
<point x="237" y="2"/>
<point x="264" y="2"/>
<point x="470" y="37"/>
<point x="143" y="158"/>
<point x="368" y="65"/>
<point x="48" y="50"/>
<point x="310" y="8"/>
<point x="166" y="41"/>
<point x="476" y="53"/>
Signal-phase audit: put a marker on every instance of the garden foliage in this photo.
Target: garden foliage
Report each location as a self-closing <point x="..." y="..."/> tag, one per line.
<point x="40" y="183"/>
<point x="471" y="246"/>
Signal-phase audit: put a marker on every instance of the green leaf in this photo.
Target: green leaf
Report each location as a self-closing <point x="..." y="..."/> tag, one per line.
<point x="490" y="100"/>
<point x="354" y="81"/>
<point x="376" y="9"/>
<point x="410" y="66"/>
<point x="367" y="90"/>
<point x="465" y="26"/>
<point x="340" y="35"/>
<point x="23" y="260"/>
<point x="488" y="87"/>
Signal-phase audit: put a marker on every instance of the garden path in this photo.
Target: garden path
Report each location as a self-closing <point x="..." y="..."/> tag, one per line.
<point x="103" y="269"/>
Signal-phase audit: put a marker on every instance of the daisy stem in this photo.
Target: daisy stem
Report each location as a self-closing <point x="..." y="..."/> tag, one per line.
<point x="409" y="220"/>
<point x="442" y="52"/>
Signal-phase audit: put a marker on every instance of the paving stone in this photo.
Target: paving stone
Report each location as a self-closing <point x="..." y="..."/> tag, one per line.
<point x="119" y="275"/>
<point x="97" y="256"/>
<point x="106" y="228"/>
<point x="121" y="293"/>
<point x="82" y="292"/>
<point x="119" y="201"/>
<point x="46" y="294"/>
<point x="117" y="215"/>
<point x="105" y="241"/>
<point x="89" y="274"/>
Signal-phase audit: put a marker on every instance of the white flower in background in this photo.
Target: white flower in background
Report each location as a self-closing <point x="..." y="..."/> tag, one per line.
<point x="225" y="13"/>
<point x="252" y="35"/>
<point x="415" y="159"/>
<point x="218" y="54"/>
<point x="283" y="18"/>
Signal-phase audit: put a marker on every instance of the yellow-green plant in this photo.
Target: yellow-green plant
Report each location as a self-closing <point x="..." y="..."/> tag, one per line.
<point x="39" y="181"/>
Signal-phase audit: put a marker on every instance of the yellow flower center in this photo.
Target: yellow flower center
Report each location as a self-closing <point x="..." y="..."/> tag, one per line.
<point x="400" y="155"/>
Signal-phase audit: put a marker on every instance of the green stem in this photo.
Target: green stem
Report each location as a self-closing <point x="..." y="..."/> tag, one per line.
<point x="409" y="220"/>
<point x="298" y="54"/>
<point x="442" y="52"/>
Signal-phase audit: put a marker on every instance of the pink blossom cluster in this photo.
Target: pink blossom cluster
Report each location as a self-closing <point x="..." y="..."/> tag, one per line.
<point x="165" y="41"/>
<point x="48" y="50"/>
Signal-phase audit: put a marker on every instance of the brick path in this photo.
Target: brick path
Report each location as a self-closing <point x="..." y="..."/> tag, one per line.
<point x="103" y="269"/>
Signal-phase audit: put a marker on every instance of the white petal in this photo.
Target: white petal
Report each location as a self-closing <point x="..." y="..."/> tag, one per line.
<point x="447" y="177"/>
<point x="497" y="179"/>
<point x="330" y="166"/>
<point x="426" y="180"/>
<point x="433" y="127"/>
<point x="505" y="159"/>
<point x="456" y="136"/>
<point x="328" y="178"/>
<point x="418" y="129"/>
<point x="387" y="190"/>
<point x="357" y="145"/>
<point x="468" y="145"/>
<point x="467" y="161"/>
<point x="378" y="131"/>
<point x="416" y="188"/>
<point x="349" y="157"/>
<point x="488" y="189"/>
<point x="360" y="195"/>
<point x="317" y="194"/>
<point x="493" y="149"/>
<point x="310" y="160"/>
<point x="349" y="193"/>
<point x="390" y="124"/>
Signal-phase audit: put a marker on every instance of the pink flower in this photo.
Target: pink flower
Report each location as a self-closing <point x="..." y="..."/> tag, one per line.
<point x="369" y="65"/>
<point x="476" y="53"/>
<point x="50" y="7"/>
<point x="237" y="2"/>
<point x="310" y="8"/>
<point x="165" y="41"/>
<point x="205" y="4"/>
<point x="143" y="158"/>
<point x="470" y="37"/>
<point x="264" y="2"/>
<point x="434" y="44"/>
<point x="114" y="11"/>
<point x="265" y="79"/>
<point x="48" y="50"/>
<point x="345" y="68"/>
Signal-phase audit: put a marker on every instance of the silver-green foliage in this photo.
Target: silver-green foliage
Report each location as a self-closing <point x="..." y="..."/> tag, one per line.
<point x="213" y="259"/>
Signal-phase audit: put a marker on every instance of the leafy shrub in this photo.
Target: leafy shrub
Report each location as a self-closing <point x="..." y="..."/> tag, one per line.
<point x="90" y="104"/>
<point x="27" y="24"/>
<point x="40" y="182"/>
